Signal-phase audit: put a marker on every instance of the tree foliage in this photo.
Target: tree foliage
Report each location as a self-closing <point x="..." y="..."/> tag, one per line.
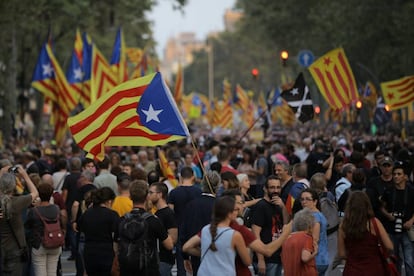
<point x="377" y="36"/>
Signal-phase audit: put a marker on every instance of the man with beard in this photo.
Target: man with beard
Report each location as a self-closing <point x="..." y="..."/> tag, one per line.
<point x="157" y="194"/>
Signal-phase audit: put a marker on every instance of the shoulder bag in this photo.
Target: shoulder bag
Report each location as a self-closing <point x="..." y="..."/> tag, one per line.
<point x="387" y="258"/>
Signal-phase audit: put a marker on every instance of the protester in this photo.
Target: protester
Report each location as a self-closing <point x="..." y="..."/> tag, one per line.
<point x="157" y="194"/>
<point x="13" y="242"/>
<point x="310" y="199"/>
<point x="156" y="233"/>
<point x="100" y="226"/>
<point x="358" y="240"/>
<point x="219" y="242"/>
<point x="44" y="260"/>
<point x="299" y="249"/>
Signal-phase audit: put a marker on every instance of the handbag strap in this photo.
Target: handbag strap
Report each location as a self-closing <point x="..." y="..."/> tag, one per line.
<point x="380" y="244"/>
<point x="14" y="234"/>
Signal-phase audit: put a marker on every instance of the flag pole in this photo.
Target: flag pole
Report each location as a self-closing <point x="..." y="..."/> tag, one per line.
<point x="264" y="112"/>
<point x="202" y="165"/>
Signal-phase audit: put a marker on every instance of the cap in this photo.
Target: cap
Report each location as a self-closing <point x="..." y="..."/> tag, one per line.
<point x="387" y="160"/>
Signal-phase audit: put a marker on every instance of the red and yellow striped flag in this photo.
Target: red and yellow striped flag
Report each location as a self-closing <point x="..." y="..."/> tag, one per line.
<point x="139" y="112"/>
<point x="166" y="169"/>
<point x="335" y="79"/>
<point x="398" y="93"/>
<point x="103" y="78"/>
<point x="242" y="98"/>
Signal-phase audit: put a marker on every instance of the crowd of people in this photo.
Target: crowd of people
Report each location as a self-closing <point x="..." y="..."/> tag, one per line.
<point x="301" y="204"/>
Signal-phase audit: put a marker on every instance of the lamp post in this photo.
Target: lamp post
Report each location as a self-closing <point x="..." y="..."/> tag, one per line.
<point x="210" y="71"/>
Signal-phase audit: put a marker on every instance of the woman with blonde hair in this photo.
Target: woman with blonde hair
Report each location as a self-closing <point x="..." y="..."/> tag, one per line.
<point x="358" y="238"/>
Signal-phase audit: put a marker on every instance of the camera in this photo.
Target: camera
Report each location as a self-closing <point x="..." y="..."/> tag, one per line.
<point x="398" y="225"/>
<point x="14" y="170"/>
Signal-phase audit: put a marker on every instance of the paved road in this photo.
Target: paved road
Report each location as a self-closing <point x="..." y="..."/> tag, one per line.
<point x="68" y="267"/>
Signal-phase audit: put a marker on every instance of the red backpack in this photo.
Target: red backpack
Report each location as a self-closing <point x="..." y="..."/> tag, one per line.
<point x="53" y="236"/>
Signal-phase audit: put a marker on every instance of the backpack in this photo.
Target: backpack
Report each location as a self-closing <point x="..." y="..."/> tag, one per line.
<point x="343" y="199"/>
<point x="135" y="252"/>
<point x="53" y="236"/>
<point x="330" y="210"/>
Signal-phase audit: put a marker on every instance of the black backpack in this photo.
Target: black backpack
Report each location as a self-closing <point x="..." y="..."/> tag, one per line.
<point x="135" y="251"/>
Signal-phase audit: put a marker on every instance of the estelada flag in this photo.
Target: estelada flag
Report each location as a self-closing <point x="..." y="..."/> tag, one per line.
<point x="139" y="112"/>
<point x="335" y="79"/>
<point x="398" y="93"/>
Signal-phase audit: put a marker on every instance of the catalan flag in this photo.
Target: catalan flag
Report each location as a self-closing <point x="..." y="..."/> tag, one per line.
<point x="118" y="61"/>
<point x="370" y="94"/>
<point x="166" y="169"/>
<point x="179" y="85"/>
<point x="44" y="77"/>
<point x="226" y="110"/>
<point x="134" y="55"/>
<point x="335" y="79"/>
<point x="49" y="79"/>
<point x="398" y="93"/>
<point x="102" y="77"/>
<point x="241" y="98"/>
<point x="139" y="112"/>
<point x="76" y="73"/>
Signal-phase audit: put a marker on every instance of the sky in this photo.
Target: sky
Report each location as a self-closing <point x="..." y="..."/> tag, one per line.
<point x="199" y="16"/>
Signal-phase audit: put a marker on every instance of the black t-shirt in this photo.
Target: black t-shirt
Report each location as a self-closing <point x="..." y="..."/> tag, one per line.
<point x="100" y="225"/>
<point x="167" y="218"/>
<point x="156" y="231"/>
<point x="315" y="162"/>
<point x="398" y="201"/>
<point x="269" y="217"/>
<point x="71" y="185"/>
<point x="180" y="196"/>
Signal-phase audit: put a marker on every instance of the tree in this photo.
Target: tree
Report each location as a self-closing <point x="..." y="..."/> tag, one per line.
<point x="25" y="25"/>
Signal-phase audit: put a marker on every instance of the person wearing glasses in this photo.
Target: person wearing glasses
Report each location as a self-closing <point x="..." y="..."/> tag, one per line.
<point x="157" y="194"/>
<point x="268" y="218"/>
<point x="309" y="198"/>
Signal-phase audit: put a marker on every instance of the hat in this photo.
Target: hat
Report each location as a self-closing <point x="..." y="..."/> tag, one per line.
<point x="387" y="160"/>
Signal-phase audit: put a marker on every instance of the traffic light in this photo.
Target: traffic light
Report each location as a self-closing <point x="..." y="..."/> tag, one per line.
<point x="358" y="105"/>
<point x="317" y="110"/>
<point x="255" y="73"/>
<point x="284" y="55"/>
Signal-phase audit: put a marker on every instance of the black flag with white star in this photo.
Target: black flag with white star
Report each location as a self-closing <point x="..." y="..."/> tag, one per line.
<point x="299" y="99"/>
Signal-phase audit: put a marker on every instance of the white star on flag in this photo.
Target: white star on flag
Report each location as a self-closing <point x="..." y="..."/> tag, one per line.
<point x="152" y="114"/>
<point x="78" y="73"/>
<point x="47" y="70"/>
<point x="294" y="91"/>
